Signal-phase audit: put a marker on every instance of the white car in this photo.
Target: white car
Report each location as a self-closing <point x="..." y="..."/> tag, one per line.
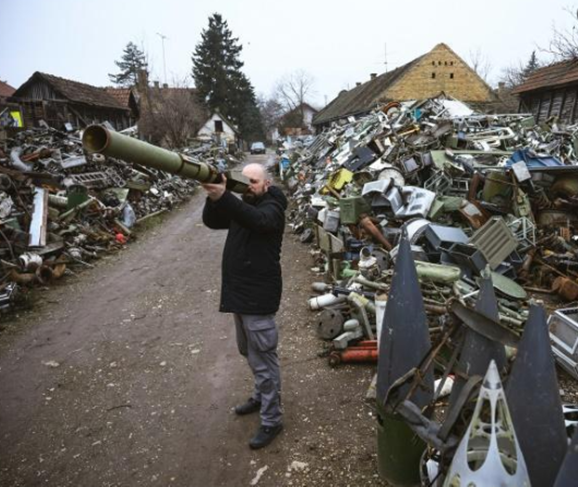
<point x="257" y="148"/>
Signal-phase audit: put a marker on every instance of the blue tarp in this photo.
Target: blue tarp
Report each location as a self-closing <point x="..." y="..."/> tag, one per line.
<point x="532" y="160"/>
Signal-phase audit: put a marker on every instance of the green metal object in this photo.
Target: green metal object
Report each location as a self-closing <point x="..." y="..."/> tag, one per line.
<point x="98" y="139"/>
<point x="77" y="194"/>
<point x="399" y="450"/>
<point x="351" y="208"/>
<point x="507" y="286"/>
<point x="446" y="274"/>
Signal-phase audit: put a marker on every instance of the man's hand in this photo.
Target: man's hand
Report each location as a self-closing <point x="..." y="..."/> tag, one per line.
<point x="215" y="191"/>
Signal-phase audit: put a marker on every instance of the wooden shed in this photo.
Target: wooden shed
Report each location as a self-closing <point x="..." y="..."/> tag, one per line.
<point x="58" y="101"/>
<point x="551" y="91"/>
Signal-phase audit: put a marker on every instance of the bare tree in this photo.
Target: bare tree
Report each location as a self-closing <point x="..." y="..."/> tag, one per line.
<point x="294" y="89"/>
<point x="271" y="111"/>
<point x="516" y="74"/>
<point x="171" y="116"/>
<point x="480" y="64"/>
<point x="564" y="43"/>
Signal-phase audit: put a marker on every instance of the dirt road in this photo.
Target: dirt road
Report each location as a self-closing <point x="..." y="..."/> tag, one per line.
<point x="126" y="376"/>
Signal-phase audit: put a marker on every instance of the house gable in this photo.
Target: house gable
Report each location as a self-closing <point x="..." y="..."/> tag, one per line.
<point x="440" y="70"/>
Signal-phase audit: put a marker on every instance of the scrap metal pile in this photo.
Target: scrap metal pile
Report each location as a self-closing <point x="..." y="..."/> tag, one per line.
<point x="436" y="228"/>
<point x="61" y="207"/>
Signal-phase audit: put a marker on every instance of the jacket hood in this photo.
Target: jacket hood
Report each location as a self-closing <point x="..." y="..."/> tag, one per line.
<point x="278" y="195"/>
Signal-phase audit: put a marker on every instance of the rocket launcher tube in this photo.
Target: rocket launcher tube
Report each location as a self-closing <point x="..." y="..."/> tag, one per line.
<point x="100" y="140"/>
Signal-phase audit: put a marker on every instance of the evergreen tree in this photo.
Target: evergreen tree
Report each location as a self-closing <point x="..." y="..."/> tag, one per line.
<point x="132" y="61"/>
<point x="532" y="65"/>
<point x="220" y="82"/>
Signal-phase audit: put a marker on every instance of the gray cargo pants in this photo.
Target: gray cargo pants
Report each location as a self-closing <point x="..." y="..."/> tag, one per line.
<point x="257" y="339"/>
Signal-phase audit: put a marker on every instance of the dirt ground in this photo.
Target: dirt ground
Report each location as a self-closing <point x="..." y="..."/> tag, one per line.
<point x="126" y="375"/>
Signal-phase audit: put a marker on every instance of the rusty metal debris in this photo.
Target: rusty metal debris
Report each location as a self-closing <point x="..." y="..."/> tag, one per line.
<point x="481" y="209"/>
<point x="61" y="208"/>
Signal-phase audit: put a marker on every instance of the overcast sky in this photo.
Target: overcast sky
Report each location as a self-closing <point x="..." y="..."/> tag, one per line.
<point x="338" y="43"/>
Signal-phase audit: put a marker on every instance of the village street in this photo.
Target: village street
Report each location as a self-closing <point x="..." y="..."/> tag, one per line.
<point x="126" y="375"/>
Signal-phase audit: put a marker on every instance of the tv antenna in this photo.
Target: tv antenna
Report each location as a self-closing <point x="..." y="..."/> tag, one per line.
<point x="163" y="37"/>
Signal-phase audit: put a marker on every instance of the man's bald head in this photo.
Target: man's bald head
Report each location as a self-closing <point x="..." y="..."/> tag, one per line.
<point x="257" y="171"/>
<point x="259" y="181"/>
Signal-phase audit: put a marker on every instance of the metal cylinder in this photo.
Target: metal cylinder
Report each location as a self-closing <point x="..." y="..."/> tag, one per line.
<point x="325" y="300"/>
<point x="30" y="261"/>
<point x="100" y="140"/>
<point x="320" y="287"/>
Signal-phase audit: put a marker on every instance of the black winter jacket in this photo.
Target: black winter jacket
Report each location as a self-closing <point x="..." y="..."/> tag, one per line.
<point x="251" y="270"/>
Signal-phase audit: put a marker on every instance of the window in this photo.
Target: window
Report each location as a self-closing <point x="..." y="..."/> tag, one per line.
<point x="439" y="63"/>
<point x="451" y="75"/>
<point x="218" y="126"/>
<point x="433" y="76"/>
<point x="433" y="63"/>
<point x="451" y="63"/>
<point x="445" y="63"/>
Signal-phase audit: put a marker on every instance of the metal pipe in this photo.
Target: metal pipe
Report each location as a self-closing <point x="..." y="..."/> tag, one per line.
<point x="98" y="139"/>
<point x="369" y="227"/>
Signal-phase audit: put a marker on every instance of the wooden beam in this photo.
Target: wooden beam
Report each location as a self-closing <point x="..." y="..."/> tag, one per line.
<point x="552" y="94"/>
<point x="561" y="111"/>
<point x="573" y="115"/>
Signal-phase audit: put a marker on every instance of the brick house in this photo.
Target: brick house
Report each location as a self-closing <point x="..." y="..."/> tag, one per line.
<point x="439" y="70"/>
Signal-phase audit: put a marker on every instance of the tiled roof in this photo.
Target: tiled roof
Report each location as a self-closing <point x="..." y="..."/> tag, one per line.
<point x="74" y="91"/>
<point x="122" y="95"/>
<point x="362" y="98"/>
<point x="554" y="75"/>
<point x="6" y="90"/>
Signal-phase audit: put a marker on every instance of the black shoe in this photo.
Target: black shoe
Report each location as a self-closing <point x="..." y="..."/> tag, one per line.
<point x="251" y="406"/>
<point x="264" y="436"/>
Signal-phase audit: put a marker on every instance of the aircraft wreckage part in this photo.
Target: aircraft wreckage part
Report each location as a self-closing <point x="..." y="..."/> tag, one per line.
<point x="98" y="139"/>
<point x="534" y="399"/>
<point x="489" y="453"/>
<point x="569" y="471"/>
<point x="404" y="342"/>
<point x="489" y="328"/>
<point x="477" y="350"/>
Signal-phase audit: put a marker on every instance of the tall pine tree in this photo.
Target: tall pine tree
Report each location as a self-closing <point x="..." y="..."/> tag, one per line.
<point x="133" y="61"/>
<point x="220" y="82"/>
<point x="532" y="65"/>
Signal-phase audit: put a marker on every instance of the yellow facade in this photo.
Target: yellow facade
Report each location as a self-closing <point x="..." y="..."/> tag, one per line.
<point x="439" y="70"/>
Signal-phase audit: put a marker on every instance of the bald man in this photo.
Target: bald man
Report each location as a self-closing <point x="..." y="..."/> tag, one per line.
<point x="251" y="285"/>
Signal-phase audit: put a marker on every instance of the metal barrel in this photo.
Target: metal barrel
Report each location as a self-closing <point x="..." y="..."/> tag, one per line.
<point x="100" y="140"/>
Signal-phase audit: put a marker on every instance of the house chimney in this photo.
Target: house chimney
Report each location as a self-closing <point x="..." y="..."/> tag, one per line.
<point x="142" y="78"/>
<point x="157" y="86"/>
<point x="358" y="83"/>
<point x="373" y="75"/>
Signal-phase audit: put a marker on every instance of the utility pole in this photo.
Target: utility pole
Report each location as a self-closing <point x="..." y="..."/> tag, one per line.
<point x="163" y="37"/>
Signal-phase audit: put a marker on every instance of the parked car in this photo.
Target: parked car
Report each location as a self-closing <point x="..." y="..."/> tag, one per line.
<point x="257" y="148"/>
